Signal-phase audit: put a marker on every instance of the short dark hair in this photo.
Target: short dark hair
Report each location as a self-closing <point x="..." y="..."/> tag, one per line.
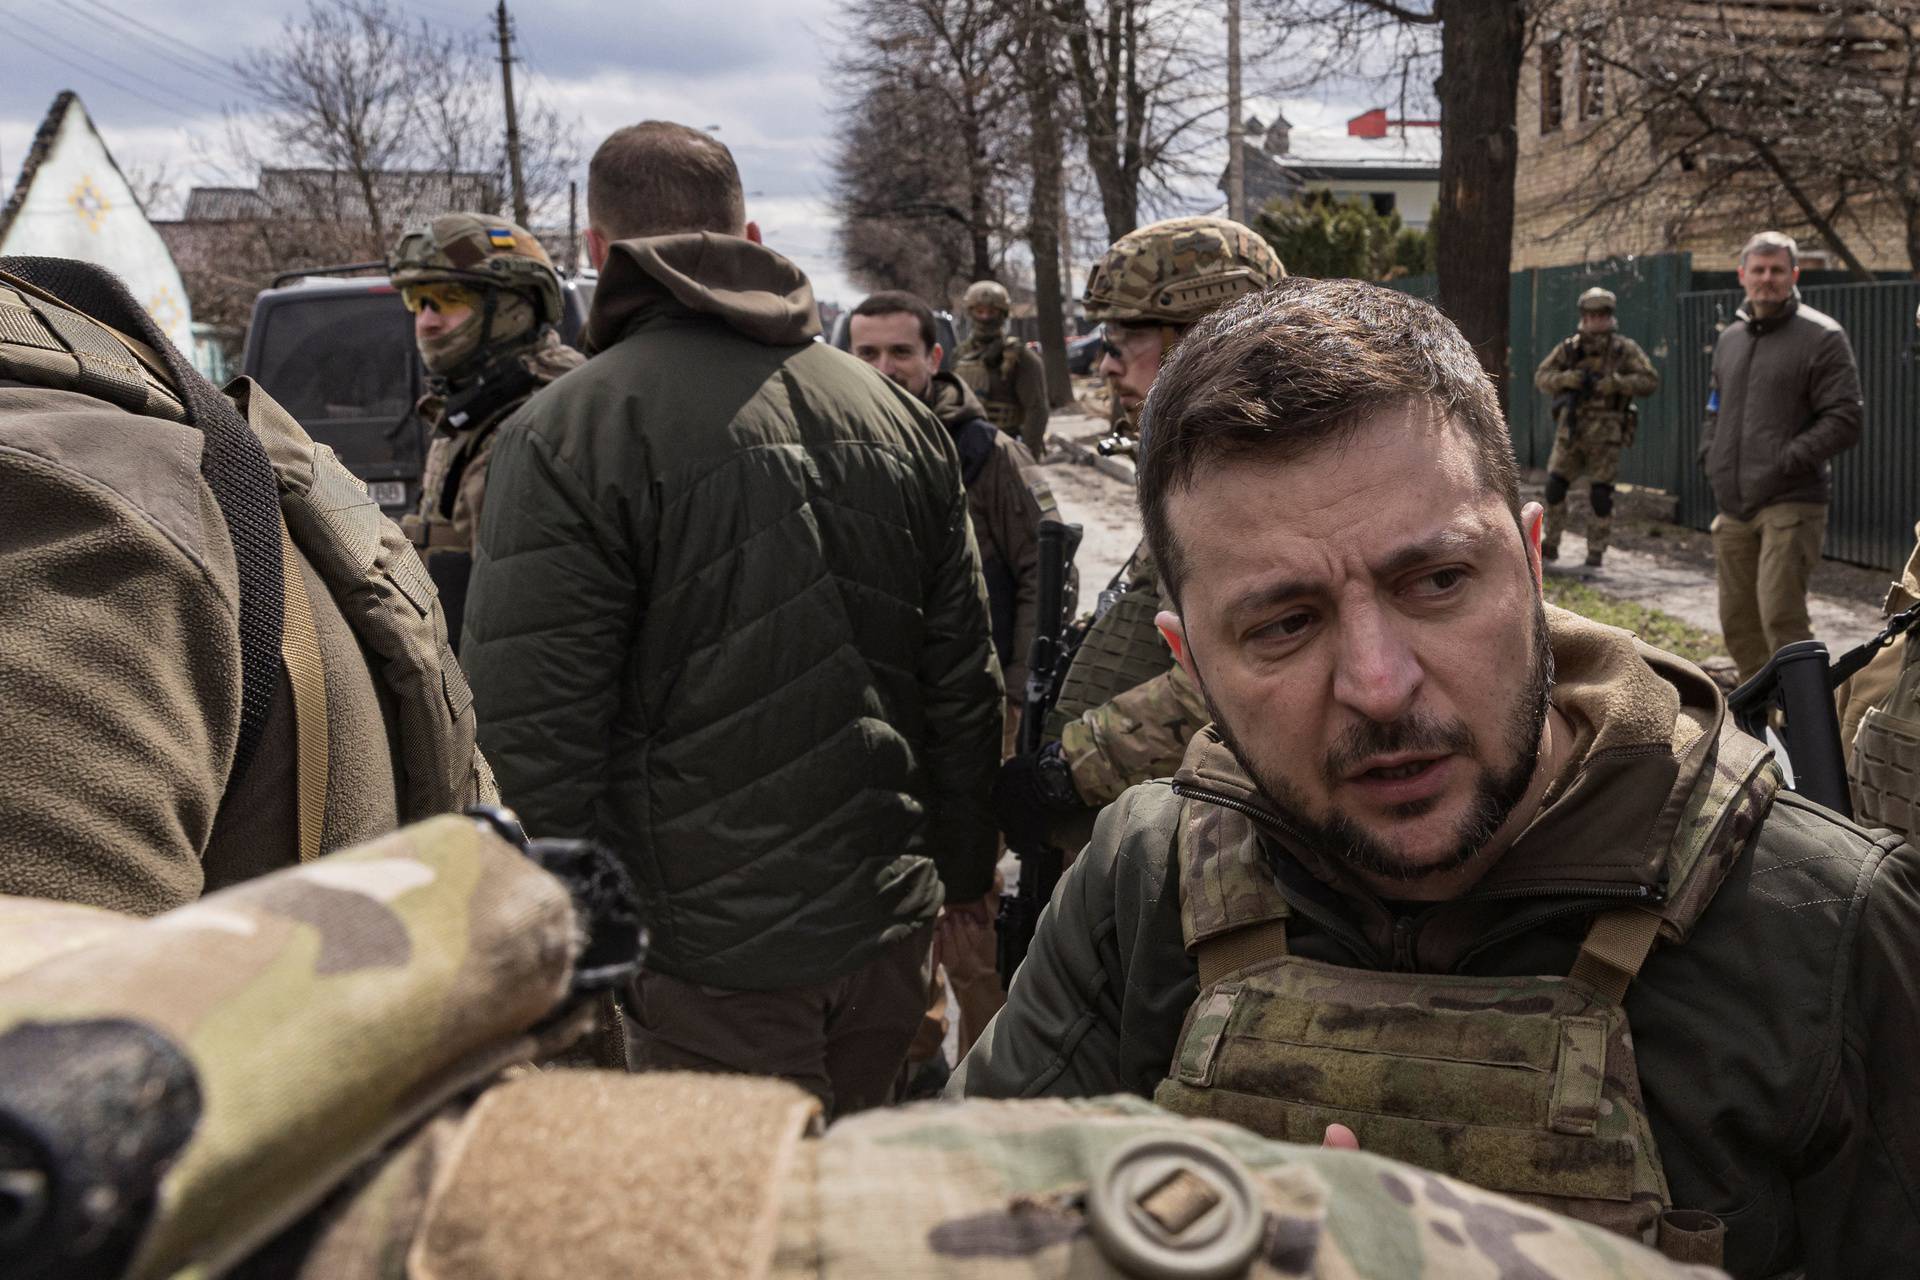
<point x="893" y="302"/>
<point x="656" y="178"/>
<point x="1294" y="367"/>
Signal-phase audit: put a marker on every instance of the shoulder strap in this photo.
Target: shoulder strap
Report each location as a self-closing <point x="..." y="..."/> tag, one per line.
<point x="307" y="673"/>
<point x="232" y="461"/>
<point x="1229" y="953"/>
<point x="1615" y="947"/>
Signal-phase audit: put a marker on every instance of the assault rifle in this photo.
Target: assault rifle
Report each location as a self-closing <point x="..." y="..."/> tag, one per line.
<point x="1798" y="683"/>
<point x="1047" y="663"/>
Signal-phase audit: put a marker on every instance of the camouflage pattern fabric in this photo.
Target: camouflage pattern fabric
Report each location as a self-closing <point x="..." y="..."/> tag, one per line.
<point x="997" y="1189"/>
<point x="208" y="1043"/>
<point x="1605" y="372"/>
<point x="1176" y="271"/>
<point x="1880" y="722"/>
<point x="1522" y="1085"/>
<point x="1139" y="734"/>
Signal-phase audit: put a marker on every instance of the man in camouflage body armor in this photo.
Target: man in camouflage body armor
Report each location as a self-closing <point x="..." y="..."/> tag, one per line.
<point x="1003" y="371"/>
<point x="320" y="1075"/>
<point x="1500" y="890"/>
<point x="1593" y="377"/>
<point x="485" y="299"/>
<point x="1126" y="711"/>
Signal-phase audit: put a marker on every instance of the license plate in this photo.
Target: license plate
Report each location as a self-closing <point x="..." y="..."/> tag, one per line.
<point x="389" y="493"/>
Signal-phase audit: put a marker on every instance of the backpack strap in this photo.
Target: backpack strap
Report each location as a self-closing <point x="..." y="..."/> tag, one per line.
<point x="307" y="673"/>
<point x="232" y="460"/>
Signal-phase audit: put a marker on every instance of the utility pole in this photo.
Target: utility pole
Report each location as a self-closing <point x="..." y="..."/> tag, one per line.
<point x="520" y="214"/>
<point x="573" y="227"/>
<point x="1236" y="120"/>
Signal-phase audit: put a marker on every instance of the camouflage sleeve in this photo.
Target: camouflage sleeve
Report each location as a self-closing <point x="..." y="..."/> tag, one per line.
<point x="1635" y="375"/>
<point x="1136" y="736"/>
<point x="1547" y="376"/>
<point x="1096" y="1006"/>
<point x="1857" y="1191"/>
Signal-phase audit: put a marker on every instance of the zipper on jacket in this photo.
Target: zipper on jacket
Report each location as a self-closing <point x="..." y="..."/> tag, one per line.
<point x="1403" y="929"/>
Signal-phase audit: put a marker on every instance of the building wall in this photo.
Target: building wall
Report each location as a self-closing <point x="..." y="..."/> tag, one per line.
<point x="1413" y="201"/>
<point x="1553" y="183"/>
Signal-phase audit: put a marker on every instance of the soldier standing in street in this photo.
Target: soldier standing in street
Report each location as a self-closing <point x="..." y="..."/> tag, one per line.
<point x="1785" y="401"/>
<point x="1593" y="377"/>
<point x="217" y="658"/>
<point x="485" y="300"/>
<point x="1126" y="710"/>
<point x="1008" y="378"/>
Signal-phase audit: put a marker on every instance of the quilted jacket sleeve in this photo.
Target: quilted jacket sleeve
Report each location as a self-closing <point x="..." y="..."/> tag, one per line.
<point x="962" y="695"/>
<point x="550" y="621"/>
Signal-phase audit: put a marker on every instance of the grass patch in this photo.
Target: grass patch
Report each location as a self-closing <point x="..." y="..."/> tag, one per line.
<point x="1661" y="630"/>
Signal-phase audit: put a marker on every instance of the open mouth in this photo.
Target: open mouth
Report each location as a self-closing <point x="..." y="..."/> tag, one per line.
<point x="1397" y="772"/>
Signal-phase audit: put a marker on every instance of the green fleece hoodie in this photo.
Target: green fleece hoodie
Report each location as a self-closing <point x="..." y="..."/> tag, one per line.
<point x="727" y="616"/>
<point x="1775" y="1024"/>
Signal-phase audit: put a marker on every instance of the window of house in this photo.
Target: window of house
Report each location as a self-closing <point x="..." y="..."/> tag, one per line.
<point x="1383" y="202"/>
<point x="1592" y="79"/>
<point x="1553" y="89"/>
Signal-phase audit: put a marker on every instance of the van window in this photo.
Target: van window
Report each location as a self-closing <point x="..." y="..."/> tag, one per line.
<point x="339" y="357"/>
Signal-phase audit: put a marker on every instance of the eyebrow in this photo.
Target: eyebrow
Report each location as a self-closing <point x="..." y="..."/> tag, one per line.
<point x="1440" y="546"/>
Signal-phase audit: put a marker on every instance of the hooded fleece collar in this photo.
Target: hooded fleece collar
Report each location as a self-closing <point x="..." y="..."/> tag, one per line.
<point x="1643" y="723"/>
<point x="953" y="401"/>
<point x="745" y="285"/>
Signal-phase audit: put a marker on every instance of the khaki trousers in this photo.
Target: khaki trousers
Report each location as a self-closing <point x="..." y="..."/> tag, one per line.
<point x="842" y="1040"/>
<point x="1764" y="564"/>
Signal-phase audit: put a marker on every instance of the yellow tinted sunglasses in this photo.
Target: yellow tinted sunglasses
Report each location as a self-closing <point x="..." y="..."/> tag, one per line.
<point x="441" y="297"/>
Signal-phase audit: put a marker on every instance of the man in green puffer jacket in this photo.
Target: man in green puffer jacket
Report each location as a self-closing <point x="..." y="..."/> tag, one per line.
<point x="728" y="618"/>
<point x="1487" y="886"/>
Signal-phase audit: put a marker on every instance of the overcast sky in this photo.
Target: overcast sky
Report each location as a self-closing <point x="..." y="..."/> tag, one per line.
<point x="758" y="69"/>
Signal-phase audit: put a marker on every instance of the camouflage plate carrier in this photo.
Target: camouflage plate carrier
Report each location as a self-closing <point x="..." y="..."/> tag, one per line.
<point x="987" y="362"/>
<point x="1884" y="759"/>
<point x="1523" y="1085"/>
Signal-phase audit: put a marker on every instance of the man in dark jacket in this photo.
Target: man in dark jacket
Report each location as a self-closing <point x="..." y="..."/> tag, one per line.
<point x="1493" y="888"/>
<point x="1007" y="498"/>
<point x="1785" y="399"/>
<point x="727" y="617"/>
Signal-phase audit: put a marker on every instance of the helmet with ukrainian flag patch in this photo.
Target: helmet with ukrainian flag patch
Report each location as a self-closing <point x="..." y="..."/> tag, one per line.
<point x="481" y="251"/>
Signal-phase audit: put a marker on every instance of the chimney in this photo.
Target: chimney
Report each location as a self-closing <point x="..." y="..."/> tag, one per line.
<point x="1279" y="136"/>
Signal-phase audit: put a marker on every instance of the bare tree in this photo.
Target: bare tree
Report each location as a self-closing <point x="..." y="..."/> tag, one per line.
<point x="366" y="101"/>
<point x="1472" y="49"/>
<point x="1036" y="53"/>
<point x="1720" y="115"/>
<point x="1145" y="82"/>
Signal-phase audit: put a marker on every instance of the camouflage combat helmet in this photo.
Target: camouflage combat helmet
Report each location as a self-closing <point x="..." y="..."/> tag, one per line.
<point x="482" y="251"/>
<point x="988" y="293"/>
<point x="1597" y="299"/>
<point x="1176" y="271"/>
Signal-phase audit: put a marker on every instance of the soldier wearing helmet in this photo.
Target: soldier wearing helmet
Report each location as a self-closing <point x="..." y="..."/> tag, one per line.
<point x="485" y="300"/>
<point x="1003" y="372"/>
<point x="1126" y="710"/>
<point x="1593" y="377"/>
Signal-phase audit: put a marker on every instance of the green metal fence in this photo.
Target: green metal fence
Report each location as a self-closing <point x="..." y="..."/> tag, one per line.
<point x="1876" y="484"/>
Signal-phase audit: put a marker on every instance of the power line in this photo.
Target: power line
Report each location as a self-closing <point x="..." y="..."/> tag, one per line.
<point x="104" y="60"/>
<point x="106" y="80"/>
<point x="160" y="44"/>
<point x="196" y="58"/>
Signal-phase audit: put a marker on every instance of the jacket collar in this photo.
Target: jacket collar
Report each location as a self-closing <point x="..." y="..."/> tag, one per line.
<point x="1768" y="324"/>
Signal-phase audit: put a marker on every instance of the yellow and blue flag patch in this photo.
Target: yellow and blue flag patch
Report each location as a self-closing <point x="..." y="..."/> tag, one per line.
<point x="500" y="237"/>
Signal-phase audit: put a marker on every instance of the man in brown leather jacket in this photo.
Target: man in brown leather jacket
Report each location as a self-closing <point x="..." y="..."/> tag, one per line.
<point x="1500" y="890"/>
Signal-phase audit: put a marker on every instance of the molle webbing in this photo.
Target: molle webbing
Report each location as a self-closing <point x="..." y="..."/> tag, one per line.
<point x="307" y="674"/>
<point x="1615" y="947"/>
<point x="38" y="339"/>
<point x="232" y="462"/>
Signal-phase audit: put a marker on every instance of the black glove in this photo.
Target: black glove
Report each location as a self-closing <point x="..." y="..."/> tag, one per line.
<point x="1030" y="792"/>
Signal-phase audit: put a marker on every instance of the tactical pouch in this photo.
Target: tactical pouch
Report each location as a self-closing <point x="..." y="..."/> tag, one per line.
<point x="173" y="1092"/>
<point x="1885" y="770"/>
<point x="1122" y="649"/>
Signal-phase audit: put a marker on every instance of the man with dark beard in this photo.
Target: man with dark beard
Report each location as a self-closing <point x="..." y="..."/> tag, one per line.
<point x="1479" y="883"/>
